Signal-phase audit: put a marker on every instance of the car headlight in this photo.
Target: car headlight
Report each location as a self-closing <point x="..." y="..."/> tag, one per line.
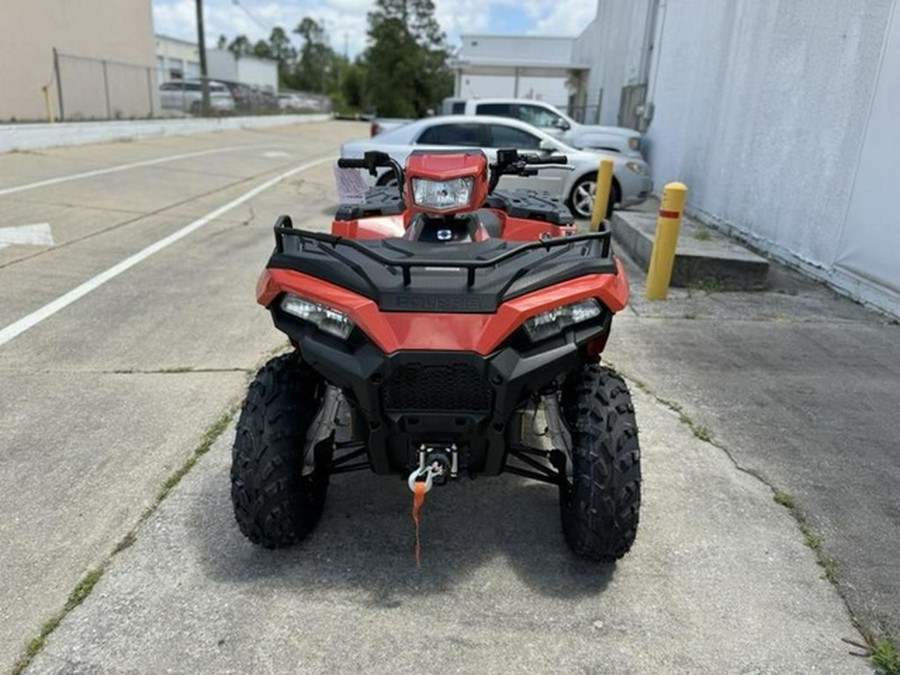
<point x="638" y="167"/>
<point x="324" y="318"/>
<point x="442" y="195"/>
<point x="634" y="142"/>
<point x="551" y="322"/>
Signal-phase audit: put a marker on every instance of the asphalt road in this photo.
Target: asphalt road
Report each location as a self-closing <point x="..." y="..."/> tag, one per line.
<point x="108" y="387"/>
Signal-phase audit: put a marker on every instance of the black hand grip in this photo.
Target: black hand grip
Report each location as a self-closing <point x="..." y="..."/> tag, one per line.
<point x="550" y="159"/>
<point x="351" y="163"/>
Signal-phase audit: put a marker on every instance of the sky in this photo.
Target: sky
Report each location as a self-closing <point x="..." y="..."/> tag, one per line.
<point x="345" y="20"/>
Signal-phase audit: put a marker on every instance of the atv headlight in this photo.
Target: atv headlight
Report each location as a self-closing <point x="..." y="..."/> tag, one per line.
<point x="324" y="318"/>
<point x="556" y="320"/>
<point x="442" y="195"/>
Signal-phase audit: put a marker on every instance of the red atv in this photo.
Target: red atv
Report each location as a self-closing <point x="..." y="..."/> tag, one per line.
<point x="442" y="328"/>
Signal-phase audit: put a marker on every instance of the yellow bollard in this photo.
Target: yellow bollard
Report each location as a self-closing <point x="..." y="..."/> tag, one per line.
<point x="668" y="225"/>
<point x="601" y="194"/>
<point x="51" y="114"/>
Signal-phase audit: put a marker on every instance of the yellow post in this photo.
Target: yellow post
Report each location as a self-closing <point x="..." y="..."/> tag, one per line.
<point x="668" y="225"/>
<point x="601" y="194"/>
<point x="51" y="115"/>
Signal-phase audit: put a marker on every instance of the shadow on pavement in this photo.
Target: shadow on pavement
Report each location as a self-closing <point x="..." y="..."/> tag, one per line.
<point x="365" y="540"/>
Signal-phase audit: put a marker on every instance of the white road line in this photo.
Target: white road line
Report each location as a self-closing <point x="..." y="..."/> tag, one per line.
<point x="123" y="167"/>
<point x="15" y="329"/>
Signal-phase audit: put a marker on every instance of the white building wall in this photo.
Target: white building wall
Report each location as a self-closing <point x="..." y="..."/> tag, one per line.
<point x="553" y="90"/>
<point x="174" y="56"/>
<point x="613" y="45"/>
<point x="262" y="73"/>
<point x="517" y="48"/>
<point x="761" y="108"/>
<point x="221" y="65"/>
<point x="867" y="260"/>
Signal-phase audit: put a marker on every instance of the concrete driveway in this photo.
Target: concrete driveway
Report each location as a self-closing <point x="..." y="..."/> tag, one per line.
<point x="108" y="394"/>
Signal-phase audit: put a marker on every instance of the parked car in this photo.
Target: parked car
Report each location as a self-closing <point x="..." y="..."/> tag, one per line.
<point x="575" y="182"/>
<point x="246" y="98"/>
<point x="379" y="125"/>
<point x="538" y="114"/>
<point x="187" y="96"/>
<point x="551" y="120"/>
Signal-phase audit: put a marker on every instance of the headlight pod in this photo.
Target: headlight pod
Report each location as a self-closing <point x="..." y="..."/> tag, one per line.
<point x="324" y="318"/>
<point x="442" y="195"/>
<point x="556" y="320"/>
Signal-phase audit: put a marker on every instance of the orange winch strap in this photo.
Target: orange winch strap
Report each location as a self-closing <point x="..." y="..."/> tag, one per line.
<point x="418" y="500"/>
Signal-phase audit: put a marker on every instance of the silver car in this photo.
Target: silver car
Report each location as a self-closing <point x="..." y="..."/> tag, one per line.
<point x="187" y="96"/>
<point x="575" y="182"/>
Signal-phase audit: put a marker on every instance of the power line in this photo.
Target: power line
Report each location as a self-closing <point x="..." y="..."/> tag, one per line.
<point x="252" y="17"/>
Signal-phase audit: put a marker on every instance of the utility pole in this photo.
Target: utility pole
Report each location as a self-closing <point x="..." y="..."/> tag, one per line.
<point x="201" y="43"/>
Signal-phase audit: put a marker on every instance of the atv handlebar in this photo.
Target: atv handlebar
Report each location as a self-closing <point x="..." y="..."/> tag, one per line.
<point x="508" y="162"/>
<point x="550" y="159"/>
<point x="511" y="162"/>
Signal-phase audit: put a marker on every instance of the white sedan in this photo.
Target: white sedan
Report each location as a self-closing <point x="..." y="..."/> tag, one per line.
<point x="575" y="183"/>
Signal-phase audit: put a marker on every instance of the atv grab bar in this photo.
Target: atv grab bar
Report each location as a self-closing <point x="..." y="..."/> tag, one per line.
<point x="471" y="266"/>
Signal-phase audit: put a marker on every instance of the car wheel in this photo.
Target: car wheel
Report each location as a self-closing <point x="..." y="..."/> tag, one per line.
<point x="387" y="179"/>
<point x="581" y="199"/>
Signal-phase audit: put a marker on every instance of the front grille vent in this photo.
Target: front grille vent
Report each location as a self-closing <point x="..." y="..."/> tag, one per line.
<point x="438" y="388"/>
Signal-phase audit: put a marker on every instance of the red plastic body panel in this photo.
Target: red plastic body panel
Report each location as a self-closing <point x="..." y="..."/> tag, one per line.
<point x="376" y="227"/>
<point x="513" y="229"/>
<point x="480" y="333"/>
<point x="520" y="229"/>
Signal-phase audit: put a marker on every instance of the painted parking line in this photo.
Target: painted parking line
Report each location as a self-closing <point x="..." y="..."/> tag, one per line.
<point x="17" y="328"/>
<point x="124" y="167"/>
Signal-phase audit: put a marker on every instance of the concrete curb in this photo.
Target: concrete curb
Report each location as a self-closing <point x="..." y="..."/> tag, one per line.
<point x="18" y="137"/>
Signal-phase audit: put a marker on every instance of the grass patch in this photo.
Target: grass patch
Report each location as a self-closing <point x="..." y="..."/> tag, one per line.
<point x="702" y="234"/>
<point x="80" y="592"/>
<point x="84" y="587"/>
<point x="885" y="658"/>
<point x="814" y="541"/>
<point x="205" y="444"/>
<point x="703" y="433"/>
<point x="784" y="499"/>
<point x="829" y="569"/>
<point x="709" y="285"/>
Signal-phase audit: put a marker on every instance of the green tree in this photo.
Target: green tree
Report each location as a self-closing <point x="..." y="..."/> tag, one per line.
<point x="407" y="72"/>
<point x="262" y="49"/>
<point x="282" y="51"/>
<point x="241" y="46"/>
<point x="315" y="65"/>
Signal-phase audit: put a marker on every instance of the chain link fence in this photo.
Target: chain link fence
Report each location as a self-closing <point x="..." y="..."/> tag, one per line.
<point x="95" y="89"/>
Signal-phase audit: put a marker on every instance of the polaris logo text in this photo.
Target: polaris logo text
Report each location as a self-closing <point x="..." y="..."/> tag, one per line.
<point x="439" y="303"/>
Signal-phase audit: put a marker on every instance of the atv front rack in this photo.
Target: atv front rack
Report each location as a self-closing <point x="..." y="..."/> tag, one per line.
<point x="284" y="228"/>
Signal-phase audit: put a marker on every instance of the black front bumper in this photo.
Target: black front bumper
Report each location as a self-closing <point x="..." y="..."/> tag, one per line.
<point x="408" y="398"/>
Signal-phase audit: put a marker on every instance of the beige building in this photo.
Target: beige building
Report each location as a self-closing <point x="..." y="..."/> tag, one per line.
<point x="106" y="64"/>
